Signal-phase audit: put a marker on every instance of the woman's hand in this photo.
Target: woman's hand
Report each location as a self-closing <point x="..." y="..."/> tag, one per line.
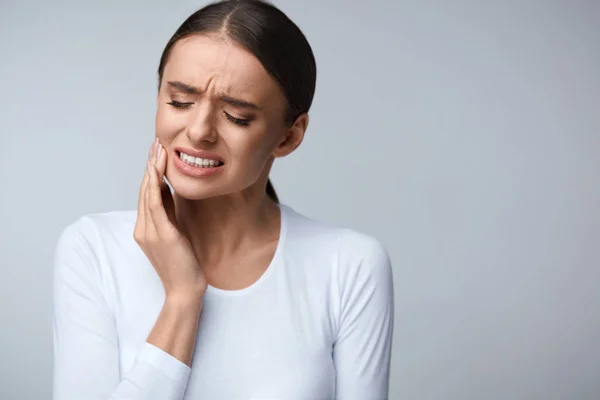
<point x="156" y="233"/>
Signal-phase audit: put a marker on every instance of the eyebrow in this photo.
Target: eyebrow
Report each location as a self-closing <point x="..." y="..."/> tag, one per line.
<point x="227" y="99"/>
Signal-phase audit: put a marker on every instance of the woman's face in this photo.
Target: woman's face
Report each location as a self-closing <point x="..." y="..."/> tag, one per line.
<point x="217" y="102"/>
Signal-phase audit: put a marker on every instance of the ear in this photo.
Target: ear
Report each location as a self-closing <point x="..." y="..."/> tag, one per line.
<point x="293" y="137"/>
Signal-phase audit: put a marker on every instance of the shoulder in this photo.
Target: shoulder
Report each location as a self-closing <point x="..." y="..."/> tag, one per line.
<point x="349" y="249"/>
<point x="352" y="267"/>
<point x="89" y="236"/>
<point x="83" y="248"/>
<point x="360" y="250"/>
<point x="90" y="226"/>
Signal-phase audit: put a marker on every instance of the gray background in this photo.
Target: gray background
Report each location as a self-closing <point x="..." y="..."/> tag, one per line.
<point x="464" y="135"/>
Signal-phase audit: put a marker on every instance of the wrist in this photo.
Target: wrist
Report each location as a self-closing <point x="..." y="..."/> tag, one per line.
<point x="187" y="299"/>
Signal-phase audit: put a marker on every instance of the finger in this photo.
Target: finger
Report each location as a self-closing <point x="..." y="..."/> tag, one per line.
<point x="142" y="194"/>
<point x="142" y="211"/>
<point x="149" y="228"/>
<point x="158" y="215"/>
<point x="160" y="163"/>
<point x="140" y="224"/>
<point x="165" y="191"/>
<point x="169" y="203"/>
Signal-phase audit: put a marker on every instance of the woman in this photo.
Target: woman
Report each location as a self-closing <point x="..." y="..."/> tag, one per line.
<point x="216" y="291"/>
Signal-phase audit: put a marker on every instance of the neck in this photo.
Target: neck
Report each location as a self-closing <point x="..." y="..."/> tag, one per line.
<point x="221" y="227"/>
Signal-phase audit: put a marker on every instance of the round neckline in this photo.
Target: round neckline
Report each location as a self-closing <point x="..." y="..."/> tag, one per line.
<point x="276" y="256"/>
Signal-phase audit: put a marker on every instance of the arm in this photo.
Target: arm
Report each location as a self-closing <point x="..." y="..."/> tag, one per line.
<point x="362" y="350"/>
<point x="86" y="352"/>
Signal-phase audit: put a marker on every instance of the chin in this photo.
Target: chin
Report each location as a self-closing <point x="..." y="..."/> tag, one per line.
<point x="190" y="189"/>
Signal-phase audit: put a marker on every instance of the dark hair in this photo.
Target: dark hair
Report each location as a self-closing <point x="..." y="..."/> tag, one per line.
<point x="271" y="37"/>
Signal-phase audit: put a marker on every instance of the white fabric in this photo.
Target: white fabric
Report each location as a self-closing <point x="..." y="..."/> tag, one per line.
<point x="317" y="325"/>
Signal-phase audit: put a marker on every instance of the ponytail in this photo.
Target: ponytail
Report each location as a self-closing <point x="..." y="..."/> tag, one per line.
<point x="271" y="192"/>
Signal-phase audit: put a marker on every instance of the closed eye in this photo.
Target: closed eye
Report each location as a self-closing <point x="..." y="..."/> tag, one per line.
<point x="237" y="121"/>
<point x="178" y="104"/>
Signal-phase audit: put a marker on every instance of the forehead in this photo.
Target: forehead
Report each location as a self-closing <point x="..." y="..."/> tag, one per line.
<point x="216" y="64"/>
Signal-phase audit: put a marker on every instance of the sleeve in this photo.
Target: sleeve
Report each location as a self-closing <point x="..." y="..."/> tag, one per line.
<point x="86" y="348"/>
<point x="362" y="348"/>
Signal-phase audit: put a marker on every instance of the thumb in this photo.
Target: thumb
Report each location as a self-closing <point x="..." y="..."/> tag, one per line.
<point x="165" y="191"/>
<point x="168" y="203"/>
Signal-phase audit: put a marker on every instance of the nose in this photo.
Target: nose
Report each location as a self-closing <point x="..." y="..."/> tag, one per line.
<point x="201" y="127"/>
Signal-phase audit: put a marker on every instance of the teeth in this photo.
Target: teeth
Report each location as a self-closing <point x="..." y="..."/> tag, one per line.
<point x="199" y="162"/>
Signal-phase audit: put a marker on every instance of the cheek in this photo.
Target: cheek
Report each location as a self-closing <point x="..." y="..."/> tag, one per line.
<point x="166" y="124"/>
<point x="252" y="151"/>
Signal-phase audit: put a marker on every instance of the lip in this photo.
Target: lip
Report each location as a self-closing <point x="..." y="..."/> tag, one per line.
<point x="194" y="171"/>
<point x="199" y="153"/>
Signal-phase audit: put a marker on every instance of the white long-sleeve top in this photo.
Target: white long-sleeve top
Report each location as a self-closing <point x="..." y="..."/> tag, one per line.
<point x="316" y="325"/>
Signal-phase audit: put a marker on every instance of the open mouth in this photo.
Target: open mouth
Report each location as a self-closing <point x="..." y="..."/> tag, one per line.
<point x="198" y="162"/>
